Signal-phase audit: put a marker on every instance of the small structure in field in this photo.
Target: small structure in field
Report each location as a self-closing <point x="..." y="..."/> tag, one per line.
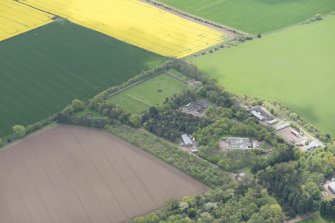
<point x="238" y="143"/>
<point x="331" y="187"/>
<point x="187" y="140"/>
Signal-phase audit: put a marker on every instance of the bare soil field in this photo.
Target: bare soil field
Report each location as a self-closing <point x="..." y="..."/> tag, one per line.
<point x="288" y="136"/>
<point x="71" y="174"/>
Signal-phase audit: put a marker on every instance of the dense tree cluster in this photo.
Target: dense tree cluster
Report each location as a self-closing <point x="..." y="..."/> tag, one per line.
<point x="224" y="206"/>
<point x="87" y="120"/>
<point x="285" y="182"/>
<point x="327" y="208"/>
<point x="171" y="124"/>
<point x="296" y="183"/>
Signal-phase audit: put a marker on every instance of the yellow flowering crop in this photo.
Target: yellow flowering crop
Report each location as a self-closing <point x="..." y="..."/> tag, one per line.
<point x="136" y="23"/>
<point x="16" y="18"/>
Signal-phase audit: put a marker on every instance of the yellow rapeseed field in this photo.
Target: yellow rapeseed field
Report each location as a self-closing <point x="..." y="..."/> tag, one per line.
<point x="137" y="23"/>
<point x="16" y="18"/>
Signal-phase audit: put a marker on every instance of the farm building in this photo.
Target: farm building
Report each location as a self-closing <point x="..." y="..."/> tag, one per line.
<point x="295" y="133"/>
<point x="258" y="115"/>
<point x="272" y="122"/>
<point x="187" y="141"/>
<point x="262" y="115"/>
<point x="282" y="126"/>
<point x="195" y="108"/>
<point x="312" y="145"/>
<point x="238" y="143"/>
<point x="331" y="187"/>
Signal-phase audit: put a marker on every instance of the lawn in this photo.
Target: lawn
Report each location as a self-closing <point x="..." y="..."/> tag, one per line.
<point x="255" y="16"/>
<point x="295" y="66"/>
<point x="45" y="69"/>
<point x="317" y="219"/>
<point x="152" y="92"/>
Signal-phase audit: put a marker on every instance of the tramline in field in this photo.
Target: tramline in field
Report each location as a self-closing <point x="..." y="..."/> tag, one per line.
<point x="17" y="18"/>
<point x="136" y="23"/>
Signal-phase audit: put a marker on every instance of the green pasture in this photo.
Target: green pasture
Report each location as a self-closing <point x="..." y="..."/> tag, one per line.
<point x="43" y="70"/>
<point x="317" y="219"/>
<point x="150" y="93"/>
<point x="255" y="16"/>
<point x="295" y="67"/>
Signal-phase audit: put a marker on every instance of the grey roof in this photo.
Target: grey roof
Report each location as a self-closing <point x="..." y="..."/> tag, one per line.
<point x="186" y="139"/>
<point x="258" y="115"/>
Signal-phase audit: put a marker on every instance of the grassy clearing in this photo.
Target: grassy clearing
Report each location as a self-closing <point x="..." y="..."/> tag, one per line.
<point x="317" y="219"/>
<point x="295" y="67"/>
<point x="45" y="69"/>
<point x="255" y="16"/>
<point x="152" y="92"/>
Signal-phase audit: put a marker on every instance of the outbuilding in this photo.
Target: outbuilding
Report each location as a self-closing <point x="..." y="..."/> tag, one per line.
<point x="187" y="140"/>
<point x="258" y="115"/>
<point x="331" y="187"/>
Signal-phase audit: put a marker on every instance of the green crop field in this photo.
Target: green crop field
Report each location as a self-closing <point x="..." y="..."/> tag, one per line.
<point x="295" y="66"/>
<point x="150" y="93"/>
<point x="255" y="16"/>
<point x="43" y="70"/>
<point x="317" y="219"/>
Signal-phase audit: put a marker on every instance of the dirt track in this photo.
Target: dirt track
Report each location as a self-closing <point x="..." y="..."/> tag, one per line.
<point x="78" y="175"/>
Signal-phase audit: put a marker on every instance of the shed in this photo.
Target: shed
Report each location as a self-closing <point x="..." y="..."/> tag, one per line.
<point x="331" y="187"/>
<point x="272" y="122"/>
<point x="282" y="126"/>
<point x="187" y="140"/>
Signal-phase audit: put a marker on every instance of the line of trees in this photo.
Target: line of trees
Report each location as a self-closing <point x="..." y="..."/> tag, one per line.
<point x="172" y="124"/>
<point x="224" y="206"/>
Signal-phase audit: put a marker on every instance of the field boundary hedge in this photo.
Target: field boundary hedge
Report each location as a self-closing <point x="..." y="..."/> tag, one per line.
<point x="196" y="18"/>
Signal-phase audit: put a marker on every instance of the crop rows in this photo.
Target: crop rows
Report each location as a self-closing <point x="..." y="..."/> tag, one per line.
<point x="16" y="18"/>
<point x="136" y="23"/>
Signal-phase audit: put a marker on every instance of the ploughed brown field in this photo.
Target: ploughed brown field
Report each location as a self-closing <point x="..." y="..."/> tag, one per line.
<point x="78" y="175"/>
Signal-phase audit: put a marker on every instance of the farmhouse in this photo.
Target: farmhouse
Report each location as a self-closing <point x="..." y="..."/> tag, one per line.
<point x="187" y="141"/>
<point x="331" y="187"/>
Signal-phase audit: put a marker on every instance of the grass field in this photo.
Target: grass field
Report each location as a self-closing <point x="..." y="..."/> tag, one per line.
<point x="255" y="16"/>
<point x="295" y="66"/>
<point x="45" y="69"/>
<point x="79" y="175"/>
<point x="152" y="92"/>
<point x="16" y="18"/>
<point x="137" y="23"/>
<point x="317" y="219"/>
